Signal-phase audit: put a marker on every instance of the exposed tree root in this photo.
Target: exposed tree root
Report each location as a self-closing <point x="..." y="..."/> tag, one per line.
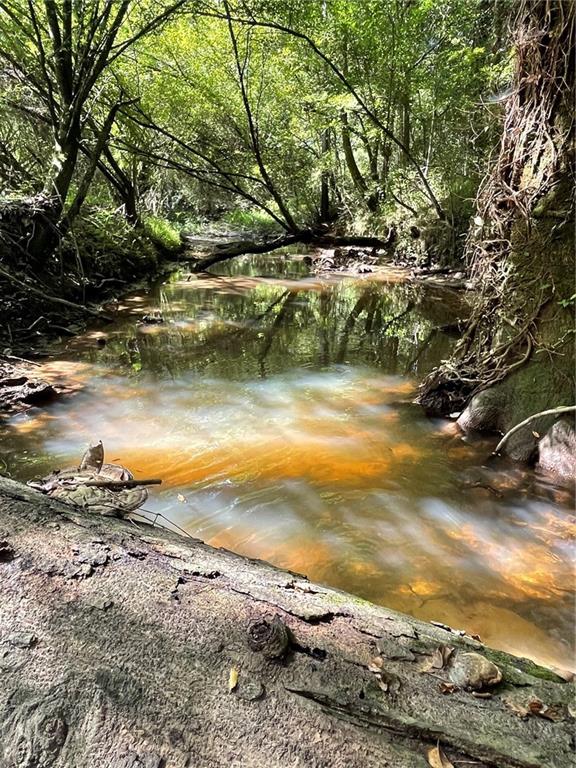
<point x="550" y="412"/>
<point x="534" y="162"/>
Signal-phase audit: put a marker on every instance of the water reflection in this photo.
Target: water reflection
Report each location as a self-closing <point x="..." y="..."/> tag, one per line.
<point x="247" y="326"/>
<point x="279" y="409"/>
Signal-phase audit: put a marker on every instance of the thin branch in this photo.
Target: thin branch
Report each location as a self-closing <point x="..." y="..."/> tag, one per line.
<point x="550" y="412"/>
<point x="253" y="128"/>
<point x="53" y="299"/>
<point x="349" y="87"/>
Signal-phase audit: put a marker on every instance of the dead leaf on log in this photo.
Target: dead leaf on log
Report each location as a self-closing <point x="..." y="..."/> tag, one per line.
<point x="232" y="679"/>
<point x="517" y="709"/>
<point x="93" y="458"/>
<point x="376" y="664"/>
<point x="437" y="758"/>
<point x="387" y="682"/>
<point x="441" y="656"/>
<point x="555" y="712"/>
<point x="534" y="707"/>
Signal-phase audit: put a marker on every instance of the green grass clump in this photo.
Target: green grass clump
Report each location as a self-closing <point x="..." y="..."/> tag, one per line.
<point x="161" y="232"/>
<point x="251" y="221"/>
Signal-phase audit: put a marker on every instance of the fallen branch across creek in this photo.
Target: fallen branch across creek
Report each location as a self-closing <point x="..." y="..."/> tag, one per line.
<point x="306" y="237"/>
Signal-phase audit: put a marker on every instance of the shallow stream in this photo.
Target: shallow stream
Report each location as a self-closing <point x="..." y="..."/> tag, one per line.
<point x="277" y="408"/>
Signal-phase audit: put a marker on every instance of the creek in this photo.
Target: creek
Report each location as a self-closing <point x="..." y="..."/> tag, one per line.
<point x="277" y="407"/>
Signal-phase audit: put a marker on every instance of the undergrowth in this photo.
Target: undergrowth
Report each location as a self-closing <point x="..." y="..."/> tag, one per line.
<point x="103" y="245"/>
<point x="162" y="232"/>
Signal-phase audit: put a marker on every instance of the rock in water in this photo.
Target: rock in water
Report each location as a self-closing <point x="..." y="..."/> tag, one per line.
<point x="557" y="451"/>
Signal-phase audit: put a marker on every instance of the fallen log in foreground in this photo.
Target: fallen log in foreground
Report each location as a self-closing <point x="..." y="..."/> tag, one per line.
<point x="134" y="647"/>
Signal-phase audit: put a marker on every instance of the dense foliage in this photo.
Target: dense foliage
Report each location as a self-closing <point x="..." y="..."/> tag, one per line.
<point x="331" y="111"/>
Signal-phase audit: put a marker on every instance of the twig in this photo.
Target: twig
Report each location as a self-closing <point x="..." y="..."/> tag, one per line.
<point x="140" y="510"/>
<point x="550" y="412"/>
<point x="119" y="483"/>
<point x="20" y="359"/>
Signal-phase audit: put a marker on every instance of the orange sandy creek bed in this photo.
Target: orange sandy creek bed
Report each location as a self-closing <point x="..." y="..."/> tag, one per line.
<point x="277" y="408"/>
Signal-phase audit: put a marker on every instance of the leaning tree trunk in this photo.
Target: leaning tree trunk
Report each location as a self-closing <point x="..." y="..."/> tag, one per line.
<point x="132" y="647"/>
<point x="517" y="350"/>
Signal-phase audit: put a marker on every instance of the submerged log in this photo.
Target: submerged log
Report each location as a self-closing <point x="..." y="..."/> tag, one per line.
<point x="125" y="647"/>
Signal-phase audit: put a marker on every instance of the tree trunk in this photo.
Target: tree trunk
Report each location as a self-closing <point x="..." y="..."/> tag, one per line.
<point x="132" y="647"/>
<point x="325" y="215"/>
<point x="370" y="199"/>
<point x="47" y="234"/>
<point x="355" y="173"/>
<point x="518" y="344"/>
<point x="405" y="109"/>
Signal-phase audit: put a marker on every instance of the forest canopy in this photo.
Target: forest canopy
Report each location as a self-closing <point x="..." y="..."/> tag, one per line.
<point x="298" y="113"/>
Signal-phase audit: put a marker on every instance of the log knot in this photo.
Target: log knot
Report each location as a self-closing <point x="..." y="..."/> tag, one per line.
<point x="6" y="552"/>
<point x="269" y="636"/>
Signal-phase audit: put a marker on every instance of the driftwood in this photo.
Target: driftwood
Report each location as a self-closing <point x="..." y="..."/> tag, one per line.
<point x="226" y="251"/>
<point x="134" y="647"/>
<point x="121" y="483"/>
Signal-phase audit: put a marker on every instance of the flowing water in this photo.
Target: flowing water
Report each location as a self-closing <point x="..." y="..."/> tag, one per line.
<point x="277" y="409"/>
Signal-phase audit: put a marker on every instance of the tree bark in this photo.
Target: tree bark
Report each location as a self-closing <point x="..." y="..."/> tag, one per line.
<point x="325" y="212"/>
<point x="355" y="173"/>
<point x="521" y="247"/>
<point x="128" y="648"/>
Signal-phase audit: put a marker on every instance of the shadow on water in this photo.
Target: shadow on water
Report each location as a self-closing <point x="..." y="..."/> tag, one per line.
<point x="277" y="408"/>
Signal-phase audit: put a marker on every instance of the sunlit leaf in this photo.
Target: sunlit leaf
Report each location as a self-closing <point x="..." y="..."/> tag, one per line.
<point x="437" y="758"/>
<point x="440" y="656"/>
<point x="233" y="679"/>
